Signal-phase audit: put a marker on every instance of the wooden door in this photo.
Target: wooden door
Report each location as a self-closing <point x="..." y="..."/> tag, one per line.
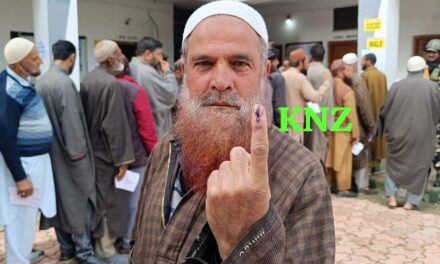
<point x="337" y="49"/>
<point x="419" y="43"/>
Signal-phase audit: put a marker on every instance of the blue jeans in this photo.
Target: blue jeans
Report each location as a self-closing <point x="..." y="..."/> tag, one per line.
<point x="80" y="245"/>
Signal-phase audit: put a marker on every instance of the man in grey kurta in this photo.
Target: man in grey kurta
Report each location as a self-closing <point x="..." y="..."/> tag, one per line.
<point x="161" y="86"/>
<point x="409" y="118"/>
<point x="103" y="101"/>
<point x="72" y="158"/>
<point x="316" y="140"/>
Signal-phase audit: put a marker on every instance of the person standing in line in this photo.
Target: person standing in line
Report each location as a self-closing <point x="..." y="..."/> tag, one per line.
<point x="25" y="166"/>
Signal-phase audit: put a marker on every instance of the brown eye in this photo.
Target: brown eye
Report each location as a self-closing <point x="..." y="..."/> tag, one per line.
<point x="240" y="65"/>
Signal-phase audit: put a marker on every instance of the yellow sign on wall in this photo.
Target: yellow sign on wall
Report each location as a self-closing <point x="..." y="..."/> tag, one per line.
<point x="375" y="43"/>
<point x="372" y="24"/>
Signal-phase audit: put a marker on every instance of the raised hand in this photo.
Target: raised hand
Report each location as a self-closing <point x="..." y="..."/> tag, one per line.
<point x="238" y="193"/>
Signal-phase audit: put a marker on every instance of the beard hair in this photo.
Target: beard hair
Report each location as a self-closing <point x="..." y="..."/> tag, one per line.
<point x="28" y="69"/>
<point x="117" y="66"/>
<point x="207" y="134"/>
<point x="348" y="81"/>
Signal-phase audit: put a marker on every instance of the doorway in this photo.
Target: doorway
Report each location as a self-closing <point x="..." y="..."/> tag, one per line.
<point x="127" y="48"/>
<point x="337" y="49"/>
<point x="419" y="43"/>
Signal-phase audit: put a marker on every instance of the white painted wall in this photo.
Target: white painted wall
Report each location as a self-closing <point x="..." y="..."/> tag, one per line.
<point x="15" y="15"/>
<point x="313" y="21"/>
<point x="98" y="19"/>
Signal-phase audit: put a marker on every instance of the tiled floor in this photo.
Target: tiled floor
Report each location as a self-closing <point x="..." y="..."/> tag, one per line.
<point x="366" y="232"/>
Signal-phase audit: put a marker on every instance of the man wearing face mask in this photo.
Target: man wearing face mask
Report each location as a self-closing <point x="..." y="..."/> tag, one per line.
<point x="103" y="101"/>
<point x="161" y="85"/>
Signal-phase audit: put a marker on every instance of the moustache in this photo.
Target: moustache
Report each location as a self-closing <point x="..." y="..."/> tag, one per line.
<point x="216" y="98"/>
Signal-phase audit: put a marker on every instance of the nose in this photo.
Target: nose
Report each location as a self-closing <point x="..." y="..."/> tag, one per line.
<point x="222" y="77"/>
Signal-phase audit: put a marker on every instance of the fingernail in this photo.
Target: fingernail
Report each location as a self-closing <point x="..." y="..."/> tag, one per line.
<point x="258" y="113"/>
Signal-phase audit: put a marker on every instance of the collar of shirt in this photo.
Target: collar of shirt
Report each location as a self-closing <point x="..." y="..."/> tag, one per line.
<point x="59" y="68"/>
<point x="18" y="78"/>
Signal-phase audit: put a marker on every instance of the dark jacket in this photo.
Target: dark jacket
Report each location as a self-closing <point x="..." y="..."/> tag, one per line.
<point x="298" y="227"/>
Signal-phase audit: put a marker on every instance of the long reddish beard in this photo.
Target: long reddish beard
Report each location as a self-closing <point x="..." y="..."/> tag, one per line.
<point x="207" y="134"/>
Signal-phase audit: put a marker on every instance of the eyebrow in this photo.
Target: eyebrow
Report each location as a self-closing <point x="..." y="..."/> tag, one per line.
<point x="199" y="57"/>
<point x="239" y="56"/>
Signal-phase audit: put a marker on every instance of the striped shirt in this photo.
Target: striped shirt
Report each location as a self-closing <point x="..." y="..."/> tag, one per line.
<point x="26" y="121"/>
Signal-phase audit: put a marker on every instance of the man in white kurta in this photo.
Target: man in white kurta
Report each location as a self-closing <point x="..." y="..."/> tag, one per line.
<point x="26" y="137"/>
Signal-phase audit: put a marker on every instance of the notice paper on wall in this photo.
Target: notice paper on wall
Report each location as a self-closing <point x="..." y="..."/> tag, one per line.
<point x="129" y="182"/>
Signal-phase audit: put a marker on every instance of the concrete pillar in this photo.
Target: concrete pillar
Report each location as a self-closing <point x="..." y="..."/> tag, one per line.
<point x="378" y="33"/>
<point x="54" y="20"/>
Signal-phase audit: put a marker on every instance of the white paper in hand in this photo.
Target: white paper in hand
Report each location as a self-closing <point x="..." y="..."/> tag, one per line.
<point x="314" y="106"/>
<point x="357" y="148"/>
<point x="33" y="201"/>
<point x="129" y="182"/>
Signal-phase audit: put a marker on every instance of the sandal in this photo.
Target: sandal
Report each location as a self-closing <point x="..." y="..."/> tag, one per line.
<point x="36" y="255"/>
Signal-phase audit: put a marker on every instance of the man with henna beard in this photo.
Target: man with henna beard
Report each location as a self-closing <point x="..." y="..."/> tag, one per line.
<point x="224" y="186"/>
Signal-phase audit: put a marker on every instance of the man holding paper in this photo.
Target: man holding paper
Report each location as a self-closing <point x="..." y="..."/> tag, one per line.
<point x="103" y="101"/>
<point x="299" y="90"/>
<point x="26" y="137"/>
<point x="364" y="110"/>
<point x="143" y="136"/>
<point x="339" y="156"/>
<point x="317" y="74"/>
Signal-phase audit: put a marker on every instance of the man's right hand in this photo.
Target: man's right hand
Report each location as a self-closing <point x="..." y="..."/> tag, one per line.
<point x="122" y="170"/>
<point x="24" y="188"/>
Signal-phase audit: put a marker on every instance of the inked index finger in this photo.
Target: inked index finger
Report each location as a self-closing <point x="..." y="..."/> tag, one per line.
<point x="259" y="144"/>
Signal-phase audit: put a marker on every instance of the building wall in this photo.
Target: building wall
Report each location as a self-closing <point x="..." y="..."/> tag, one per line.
<point x="99" y="19"/>
<point x="314" y="22"/>
<point x="416" y="18"/>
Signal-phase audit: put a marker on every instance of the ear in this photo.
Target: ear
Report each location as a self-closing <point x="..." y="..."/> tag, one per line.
<point x="182" y="66"/>
<point x="146" y="56"/>
<point x="72" y="58"/>
<point x="267" y="69"/>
